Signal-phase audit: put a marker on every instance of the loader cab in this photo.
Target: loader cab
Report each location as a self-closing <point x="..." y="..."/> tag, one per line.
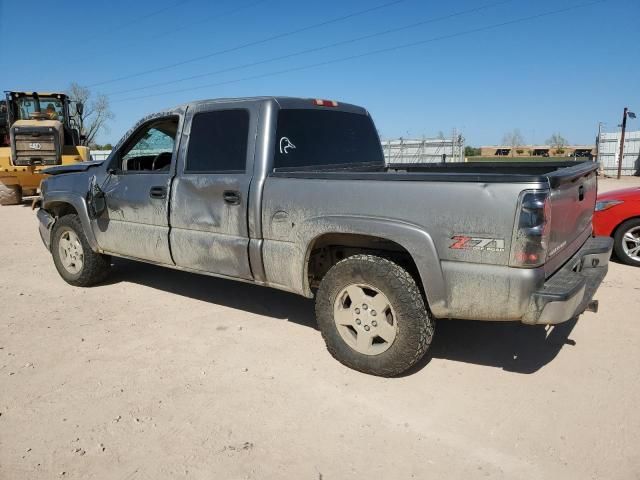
<point x="39" y="125"/>
<point x="43" y="106"/>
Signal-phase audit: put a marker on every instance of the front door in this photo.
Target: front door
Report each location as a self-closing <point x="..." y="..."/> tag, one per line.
<point x="209" y="229"/>
<point x="135" y="222"/>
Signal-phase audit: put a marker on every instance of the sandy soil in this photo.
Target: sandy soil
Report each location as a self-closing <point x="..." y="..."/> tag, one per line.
<point x="163" y="374"/>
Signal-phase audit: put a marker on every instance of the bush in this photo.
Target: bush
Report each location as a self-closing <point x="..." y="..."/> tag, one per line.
<point x="471" y="152"/>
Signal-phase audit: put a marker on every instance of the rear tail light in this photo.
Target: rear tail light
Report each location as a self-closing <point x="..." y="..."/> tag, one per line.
<point x="531" y="235"/>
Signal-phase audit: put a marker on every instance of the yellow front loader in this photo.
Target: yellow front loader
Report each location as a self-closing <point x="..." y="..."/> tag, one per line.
<point x="37" y="130"/>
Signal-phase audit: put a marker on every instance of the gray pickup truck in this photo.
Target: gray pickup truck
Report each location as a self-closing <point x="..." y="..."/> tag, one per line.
<point x="294" y="194"/>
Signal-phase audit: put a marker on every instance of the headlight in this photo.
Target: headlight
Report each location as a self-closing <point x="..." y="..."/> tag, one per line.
<point x="607" y="204"/>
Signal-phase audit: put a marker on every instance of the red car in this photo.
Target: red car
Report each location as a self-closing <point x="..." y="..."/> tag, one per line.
<point x="617" y="215"/>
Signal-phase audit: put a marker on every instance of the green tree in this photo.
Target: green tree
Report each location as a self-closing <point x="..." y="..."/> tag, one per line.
<point x="471" y="151"/>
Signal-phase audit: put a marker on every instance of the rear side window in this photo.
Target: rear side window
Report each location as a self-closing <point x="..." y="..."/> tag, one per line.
<point x="310" y="138"/>
<point x="218" y="141"/>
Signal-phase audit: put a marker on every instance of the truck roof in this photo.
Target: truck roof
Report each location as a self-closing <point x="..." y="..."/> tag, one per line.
<point x="282" y="101"/>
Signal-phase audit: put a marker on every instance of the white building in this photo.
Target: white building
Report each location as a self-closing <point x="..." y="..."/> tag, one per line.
<point x="99" y="154"/>
<point x="426" y="150"/>
<point x="609" y="153"/>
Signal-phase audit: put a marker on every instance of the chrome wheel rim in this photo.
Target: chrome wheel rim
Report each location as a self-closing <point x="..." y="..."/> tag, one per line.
<point x="71" y="252"/>
<point x="365" y="319"/>
<point x="631" y="243"/>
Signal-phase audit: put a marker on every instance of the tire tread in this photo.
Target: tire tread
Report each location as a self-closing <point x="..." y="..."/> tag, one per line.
<point x="96" y="266"/>
<point x="408" y="296"/>
<point x="10" y="194"/>
<point x="617" y="241"/>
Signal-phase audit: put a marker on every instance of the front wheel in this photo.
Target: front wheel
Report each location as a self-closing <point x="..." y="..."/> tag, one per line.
<point x="76" y="263"/>
<point x="626" y="242"/>
<point x="372" y="316"/>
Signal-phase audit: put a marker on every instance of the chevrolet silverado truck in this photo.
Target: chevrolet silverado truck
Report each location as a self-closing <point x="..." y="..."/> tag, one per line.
<point x="295" y="194"/>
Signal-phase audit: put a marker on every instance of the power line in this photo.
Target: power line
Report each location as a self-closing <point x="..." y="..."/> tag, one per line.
<point x="165" y="33"/>
<point x="316" y="49"/>
<point x="209" y="19"/>
<point x="251" y="44"/>
<point x="139" y="19"/>
<point x="374" y="52"/>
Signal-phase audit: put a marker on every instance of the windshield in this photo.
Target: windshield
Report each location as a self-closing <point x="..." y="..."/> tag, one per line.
<point x="314" y="138"/>
<point x="52" y="107"/>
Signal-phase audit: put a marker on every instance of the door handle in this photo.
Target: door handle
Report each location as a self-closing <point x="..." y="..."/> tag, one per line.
<point x="158" y="192"/>
<point x="581" y="193"/>
<point x="231" y="197"/>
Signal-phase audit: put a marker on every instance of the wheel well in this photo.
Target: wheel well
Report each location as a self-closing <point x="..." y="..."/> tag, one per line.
<point x="329" y="249"/>
<point x="60" y="209"/>
<point x="615" y="230"/>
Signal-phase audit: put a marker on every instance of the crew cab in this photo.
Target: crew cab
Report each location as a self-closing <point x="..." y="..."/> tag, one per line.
<point x="294" y="194"/>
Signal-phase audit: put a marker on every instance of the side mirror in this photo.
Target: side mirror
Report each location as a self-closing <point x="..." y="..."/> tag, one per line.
<point x="96" y="202"/>
<point x="79" y="108"/>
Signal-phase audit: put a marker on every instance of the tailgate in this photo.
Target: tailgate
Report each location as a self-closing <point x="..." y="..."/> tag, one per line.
<point x="573" y="198"/>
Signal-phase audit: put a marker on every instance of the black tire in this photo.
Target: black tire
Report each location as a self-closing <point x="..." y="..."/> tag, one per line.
<point x="95" y="266"/>
<point x="618" y="240"/>
<point x="10" y="194"/>
<point x="414" y="323"/>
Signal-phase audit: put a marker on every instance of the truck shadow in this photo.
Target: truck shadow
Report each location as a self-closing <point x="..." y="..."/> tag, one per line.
<point x="510" y="346"/>
<point x="241" y="296"/>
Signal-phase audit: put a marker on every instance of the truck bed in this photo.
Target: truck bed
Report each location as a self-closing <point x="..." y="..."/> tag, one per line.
<point x="556" y="173"/>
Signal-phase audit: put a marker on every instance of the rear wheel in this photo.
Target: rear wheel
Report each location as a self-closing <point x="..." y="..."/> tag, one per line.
<point x="76" y="263"/>
<point x="372" y="316"/>
<point x="10" y="194"/>
<point x="626" y="242"/>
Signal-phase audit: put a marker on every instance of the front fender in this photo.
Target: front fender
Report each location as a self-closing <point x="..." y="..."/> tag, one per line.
<point x="54" y="199"/>
<point x="411" y="237"/>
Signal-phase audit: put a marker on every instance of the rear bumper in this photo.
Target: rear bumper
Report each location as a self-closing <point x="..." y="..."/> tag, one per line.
<point x="569" y="291"/>
<point x="45" y="225"/>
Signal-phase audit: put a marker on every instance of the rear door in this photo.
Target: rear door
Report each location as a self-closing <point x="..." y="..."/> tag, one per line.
<point x="573" y="198"/>
<point x="209" y="229"/>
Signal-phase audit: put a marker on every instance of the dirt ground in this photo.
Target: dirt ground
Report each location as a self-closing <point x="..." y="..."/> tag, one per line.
<point x="164" y="374"/>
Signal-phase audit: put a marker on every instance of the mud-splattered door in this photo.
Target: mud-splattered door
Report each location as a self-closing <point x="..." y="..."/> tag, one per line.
<point x="135" y="222"/>
<point x="209" y="201"/>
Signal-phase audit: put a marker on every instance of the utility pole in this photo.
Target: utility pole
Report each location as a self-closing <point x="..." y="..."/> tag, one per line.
<point x="597" y="156"/>
<point x="624" y="127"/>
<point x="625" y="114"/>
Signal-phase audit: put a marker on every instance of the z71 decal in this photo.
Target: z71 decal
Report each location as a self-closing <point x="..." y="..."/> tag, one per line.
<point x="463" y="242"/>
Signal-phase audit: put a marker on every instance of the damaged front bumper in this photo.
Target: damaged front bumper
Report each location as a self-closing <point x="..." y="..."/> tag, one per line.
<point x="569" y="291"/>
<point x="46" y="222"/>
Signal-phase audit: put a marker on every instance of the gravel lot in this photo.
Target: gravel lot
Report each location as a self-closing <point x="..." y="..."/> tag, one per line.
<point x="164" y="374"/>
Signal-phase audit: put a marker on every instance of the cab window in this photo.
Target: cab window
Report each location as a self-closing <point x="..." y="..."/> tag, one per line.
<point x="218" y="142"/>
<point x="150" y="149"/>
<point x="52" y="107"/>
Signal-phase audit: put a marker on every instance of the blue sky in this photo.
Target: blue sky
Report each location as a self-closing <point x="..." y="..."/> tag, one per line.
<point x="561" y="72"/>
